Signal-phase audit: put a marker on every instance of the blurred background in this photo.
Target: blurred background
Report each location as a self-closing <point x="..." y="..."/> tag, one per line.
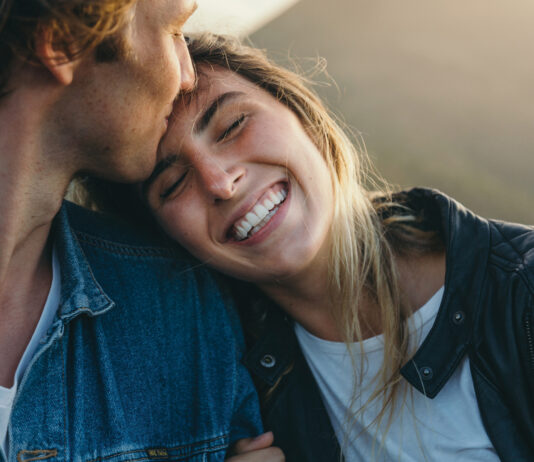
<point x="441" y="91"/>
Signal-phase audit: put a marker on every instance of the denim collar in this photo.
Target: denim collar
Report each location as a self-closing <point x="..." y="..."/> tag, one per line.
<point x="80" y="291"/>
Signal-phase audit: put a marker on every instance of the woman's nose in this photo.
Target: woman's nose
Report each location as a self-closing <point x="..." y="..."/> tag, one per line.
<point x="220" y="181"/>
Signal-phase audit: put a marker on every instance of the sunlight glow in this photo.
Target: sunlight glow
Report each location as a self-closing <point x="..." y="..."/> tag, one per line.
<point x="235" y="17"/>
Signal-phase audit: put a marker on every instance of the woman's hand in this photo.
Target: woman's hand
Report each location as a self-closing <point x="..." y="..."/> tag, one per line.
<point x="256" y="450"/>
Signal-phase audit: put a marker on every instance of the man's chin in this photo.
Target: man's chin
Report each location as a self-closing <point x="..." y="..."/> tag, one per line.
<point x="136" y="169"/>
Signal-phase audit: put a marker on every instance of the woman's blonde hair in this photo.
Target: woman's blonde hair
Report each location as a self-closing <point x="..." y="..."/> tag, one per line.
<point x="368" y="229"/>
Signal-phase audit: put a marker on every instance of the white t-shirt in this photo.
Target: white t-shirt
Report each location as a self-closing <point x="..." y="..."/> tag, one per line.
<point x="7" y="395"/>
<point x="446" y="428"/>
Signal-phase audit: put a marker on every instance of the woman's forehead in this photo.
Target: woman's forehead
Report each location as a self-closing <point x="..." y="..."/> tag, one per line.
<point x="211" y="82"/>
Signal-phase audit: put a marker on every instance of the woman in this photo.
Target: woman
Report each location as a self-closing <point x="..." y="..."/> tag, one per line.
<point x="397" y="327"/>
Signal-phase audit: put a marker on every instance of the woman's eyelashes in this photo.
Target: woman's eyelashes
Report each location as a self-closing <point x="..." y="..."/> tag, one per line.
<point x="169" y="190"/>
<point x="233" y="126"/>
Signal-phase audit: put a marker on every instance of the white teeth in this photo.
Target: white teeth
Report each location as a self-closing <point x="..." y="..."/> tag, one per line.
<point x="268" y="217"/>
<point x="261" y="211"/>
<point x="274" y="198"/>
<point x="252" y="218"/>
<point x="259" y="216"/>
<point x="241" y="233"/>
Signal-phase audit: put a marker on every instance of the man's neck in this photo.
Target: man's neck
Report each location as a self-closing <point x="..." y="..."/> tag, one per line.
<point x="32" y="188"/>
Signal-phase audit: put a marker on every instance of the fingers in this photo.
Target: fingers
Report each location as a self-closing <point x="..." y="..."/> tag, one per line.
<point x="260" y="455"/>
<point x="262" y="441"/>
<point x="257" y="450"/>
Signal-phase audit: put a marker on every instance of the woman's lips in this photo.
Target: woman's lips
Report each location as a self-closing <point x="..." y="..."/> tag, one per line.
<point x="260" y="214"/>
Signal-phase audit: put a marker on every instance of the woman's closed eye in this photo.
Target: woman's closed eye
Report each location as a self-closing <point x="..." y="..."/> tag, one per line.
<point x="233" y="126"/>
<point x="167" y="191"/>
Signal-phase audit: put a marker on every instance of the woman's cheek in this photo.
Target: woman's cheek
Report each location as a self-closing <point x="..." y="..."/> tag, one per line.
<point x="188" y="229"/>
<point x="170" y="222"/>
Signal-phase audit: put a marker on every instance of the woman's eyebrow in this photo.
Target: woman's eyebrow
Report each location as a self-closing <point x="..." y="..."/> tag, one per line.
<point x="217" y="103"/>
<point x="160" y="167"/>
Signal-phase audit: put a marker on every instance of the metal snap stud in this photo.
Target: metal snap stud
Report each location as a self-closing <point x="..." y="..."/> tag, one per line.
<point x="268" y="361"/>
<point x="458" y="317"/>
<point x="426" y="373"/>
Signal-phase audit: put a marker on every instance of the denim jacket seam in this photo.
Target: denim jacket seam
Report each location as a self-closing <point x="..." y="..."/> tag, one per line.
<point x="174" y="448"/>
<point x="97" y="285"/>
<point x="125" y="249"/>
<point x="79" y="310"/>
<point x="49" y="453"/>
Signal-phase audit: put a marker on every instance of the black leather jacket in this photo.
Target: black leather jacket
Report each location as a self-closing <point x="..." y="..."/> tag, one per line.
<point x="487" y="313"/>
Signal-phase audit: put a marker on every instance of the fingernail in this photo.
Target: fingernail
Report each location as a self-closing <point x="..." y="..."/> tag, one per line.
<point x="259" y="437"/>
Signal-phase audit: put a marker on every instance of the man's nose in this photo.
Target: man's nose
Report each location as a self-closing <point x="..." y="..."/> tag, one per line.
<point x="186" y="68"/>
<point x="220" y="182"/>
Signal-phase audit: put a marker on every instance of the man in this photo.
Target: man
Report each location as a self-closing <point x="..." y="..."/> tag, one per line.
<point x="111" y="348"/>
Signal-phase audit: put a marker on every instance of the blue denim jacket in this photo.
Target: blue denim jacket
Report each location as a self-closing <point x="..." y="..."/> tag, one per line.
<point x="142" y="362"/>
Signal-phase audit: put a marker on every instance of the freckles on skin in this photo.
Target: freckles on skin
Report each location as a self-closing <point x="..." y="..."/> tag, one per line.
<point x="167" y="85"/>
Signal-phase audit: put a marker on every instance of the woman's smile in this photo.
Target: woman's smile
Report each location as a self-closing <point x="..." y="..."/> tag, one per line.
<point x="260" y="215"/>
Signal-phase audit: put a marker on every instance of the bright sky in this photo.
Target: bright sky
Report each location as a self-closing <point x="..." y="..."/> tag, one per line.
<point x="235" y="17"/>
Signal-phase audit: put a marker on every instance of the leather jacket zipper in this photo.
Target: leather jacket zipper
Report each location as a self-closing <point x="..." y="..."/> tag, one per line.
<point x="530" y="341"/>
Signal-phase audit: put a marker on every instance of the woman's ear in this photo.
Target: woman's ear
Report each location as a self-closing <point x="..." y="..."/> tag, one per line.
<point x="55" y="59"/>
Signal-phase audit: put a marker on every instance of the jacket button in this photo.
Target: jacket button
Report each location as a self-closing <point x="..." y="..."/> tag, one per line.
<point x="426" y="373"/>
<point x="458" y="317"/>
<point x="268" y="361"/>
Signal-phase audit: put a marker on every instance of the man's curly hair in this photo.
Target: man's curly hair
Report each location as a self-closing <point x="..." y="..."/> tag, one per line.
<point x="76" y="27"/>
